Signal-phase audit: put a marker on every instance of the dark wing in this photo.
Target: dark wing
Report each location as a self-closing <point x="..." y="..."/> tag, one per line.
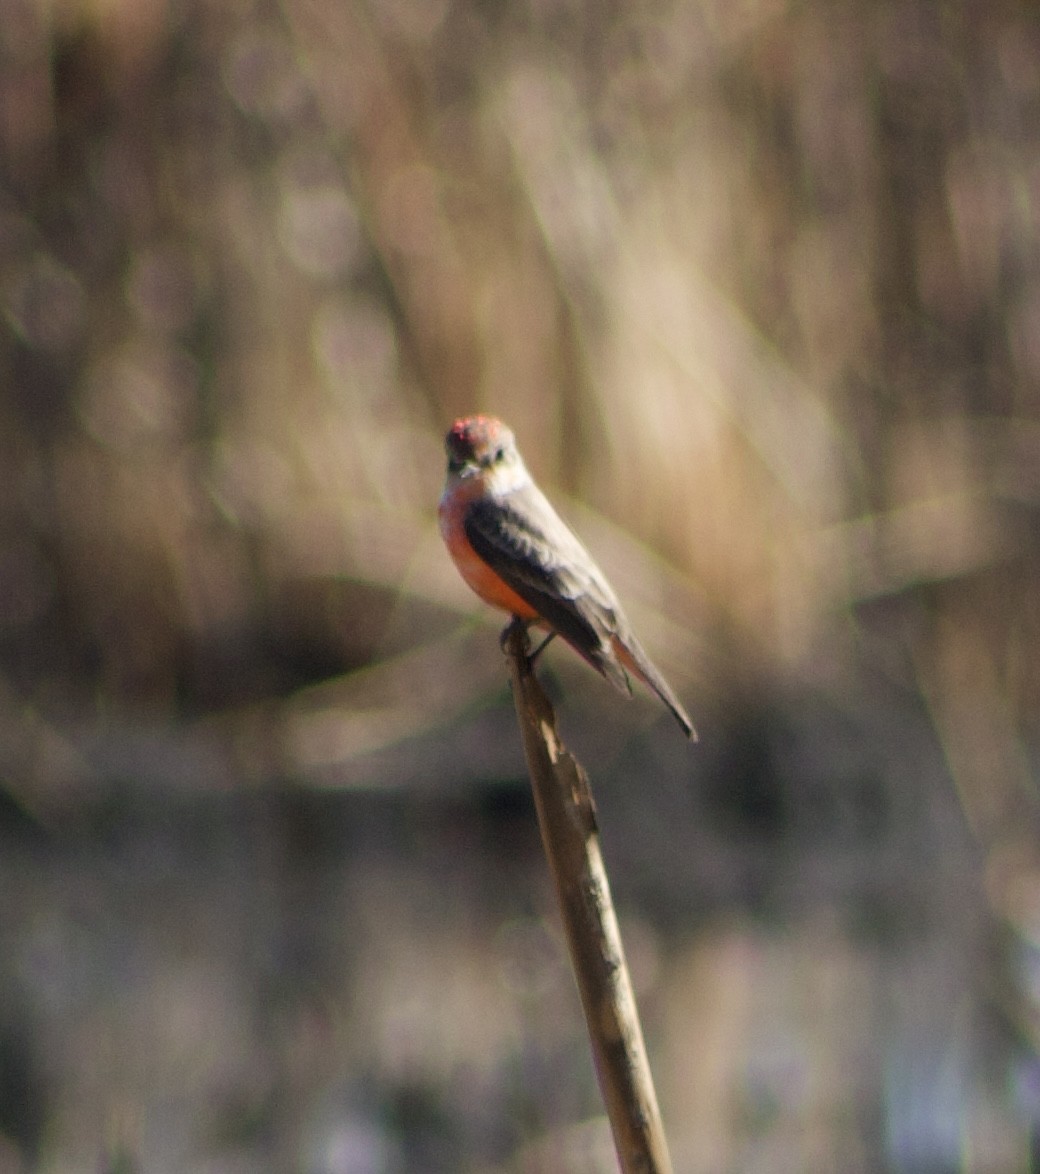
<point x="526" y="543"/>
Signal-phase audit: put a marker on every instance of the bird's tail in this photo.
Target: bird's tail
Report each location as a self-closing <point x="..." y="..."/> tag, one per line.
<point x="632" y="655"/>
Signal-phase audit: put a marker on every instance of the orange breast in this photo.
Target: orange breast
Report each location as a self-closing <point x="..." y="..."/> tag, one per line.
<point x="480" y="577"/>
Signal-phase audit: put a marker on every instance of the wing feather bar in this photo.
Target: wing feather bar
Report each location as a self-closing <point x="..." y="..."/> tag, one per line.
<point x="519" y="550"/>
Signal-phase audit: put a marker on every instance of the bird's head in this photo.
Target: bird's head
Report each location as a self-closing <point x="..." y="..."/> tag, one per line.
<point x="482" y="446"/>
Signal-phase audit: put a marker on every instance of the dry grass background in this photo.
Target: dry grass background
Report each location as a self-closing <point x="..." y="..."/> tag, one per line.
<point x="757" y="282"/>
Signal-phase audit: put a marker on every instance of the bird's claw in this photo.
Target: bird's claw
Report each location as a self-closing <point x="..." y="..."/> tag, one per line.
<point x="519" y="630"/>
<point x="516" y="628"/>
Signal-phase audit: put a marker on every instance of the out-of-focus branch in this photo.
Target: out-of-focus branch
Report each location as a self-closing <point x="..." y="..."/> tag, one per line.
<point x="567" y="819"/>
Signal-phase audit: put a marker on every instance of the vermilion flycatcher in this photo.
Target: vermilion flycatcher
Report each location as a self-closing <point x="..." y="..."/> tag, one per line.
<point x="518" y="554"/>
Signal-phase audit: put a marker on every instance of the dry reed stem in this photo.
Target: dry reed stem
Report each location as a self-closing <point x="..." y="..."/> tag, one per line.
<point x="567" y="820"/>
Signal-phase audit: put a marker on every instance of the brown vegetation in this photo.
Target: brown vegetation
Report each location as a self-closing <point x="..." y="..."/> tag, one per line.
<point x="760" y="283"/>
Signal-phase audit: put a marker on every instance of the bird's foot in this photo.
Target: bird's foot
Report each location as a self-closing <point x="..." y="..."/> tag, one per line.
<point x="518" y="630"/>
<point x="515" y="630"/>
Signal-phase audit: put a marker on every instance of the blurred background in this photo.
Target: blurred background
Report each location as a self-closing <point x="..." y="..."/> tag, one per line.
<point x="758" y="287"/>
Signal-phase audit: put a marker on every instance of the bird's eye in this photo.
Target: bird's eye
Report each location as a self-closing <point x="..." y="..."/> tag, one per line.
<point x="499" y="453"/>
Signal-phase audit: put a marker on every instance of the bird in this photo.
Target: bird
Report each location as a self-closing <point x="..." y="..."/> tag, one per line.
<point x="516" y="552"/>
